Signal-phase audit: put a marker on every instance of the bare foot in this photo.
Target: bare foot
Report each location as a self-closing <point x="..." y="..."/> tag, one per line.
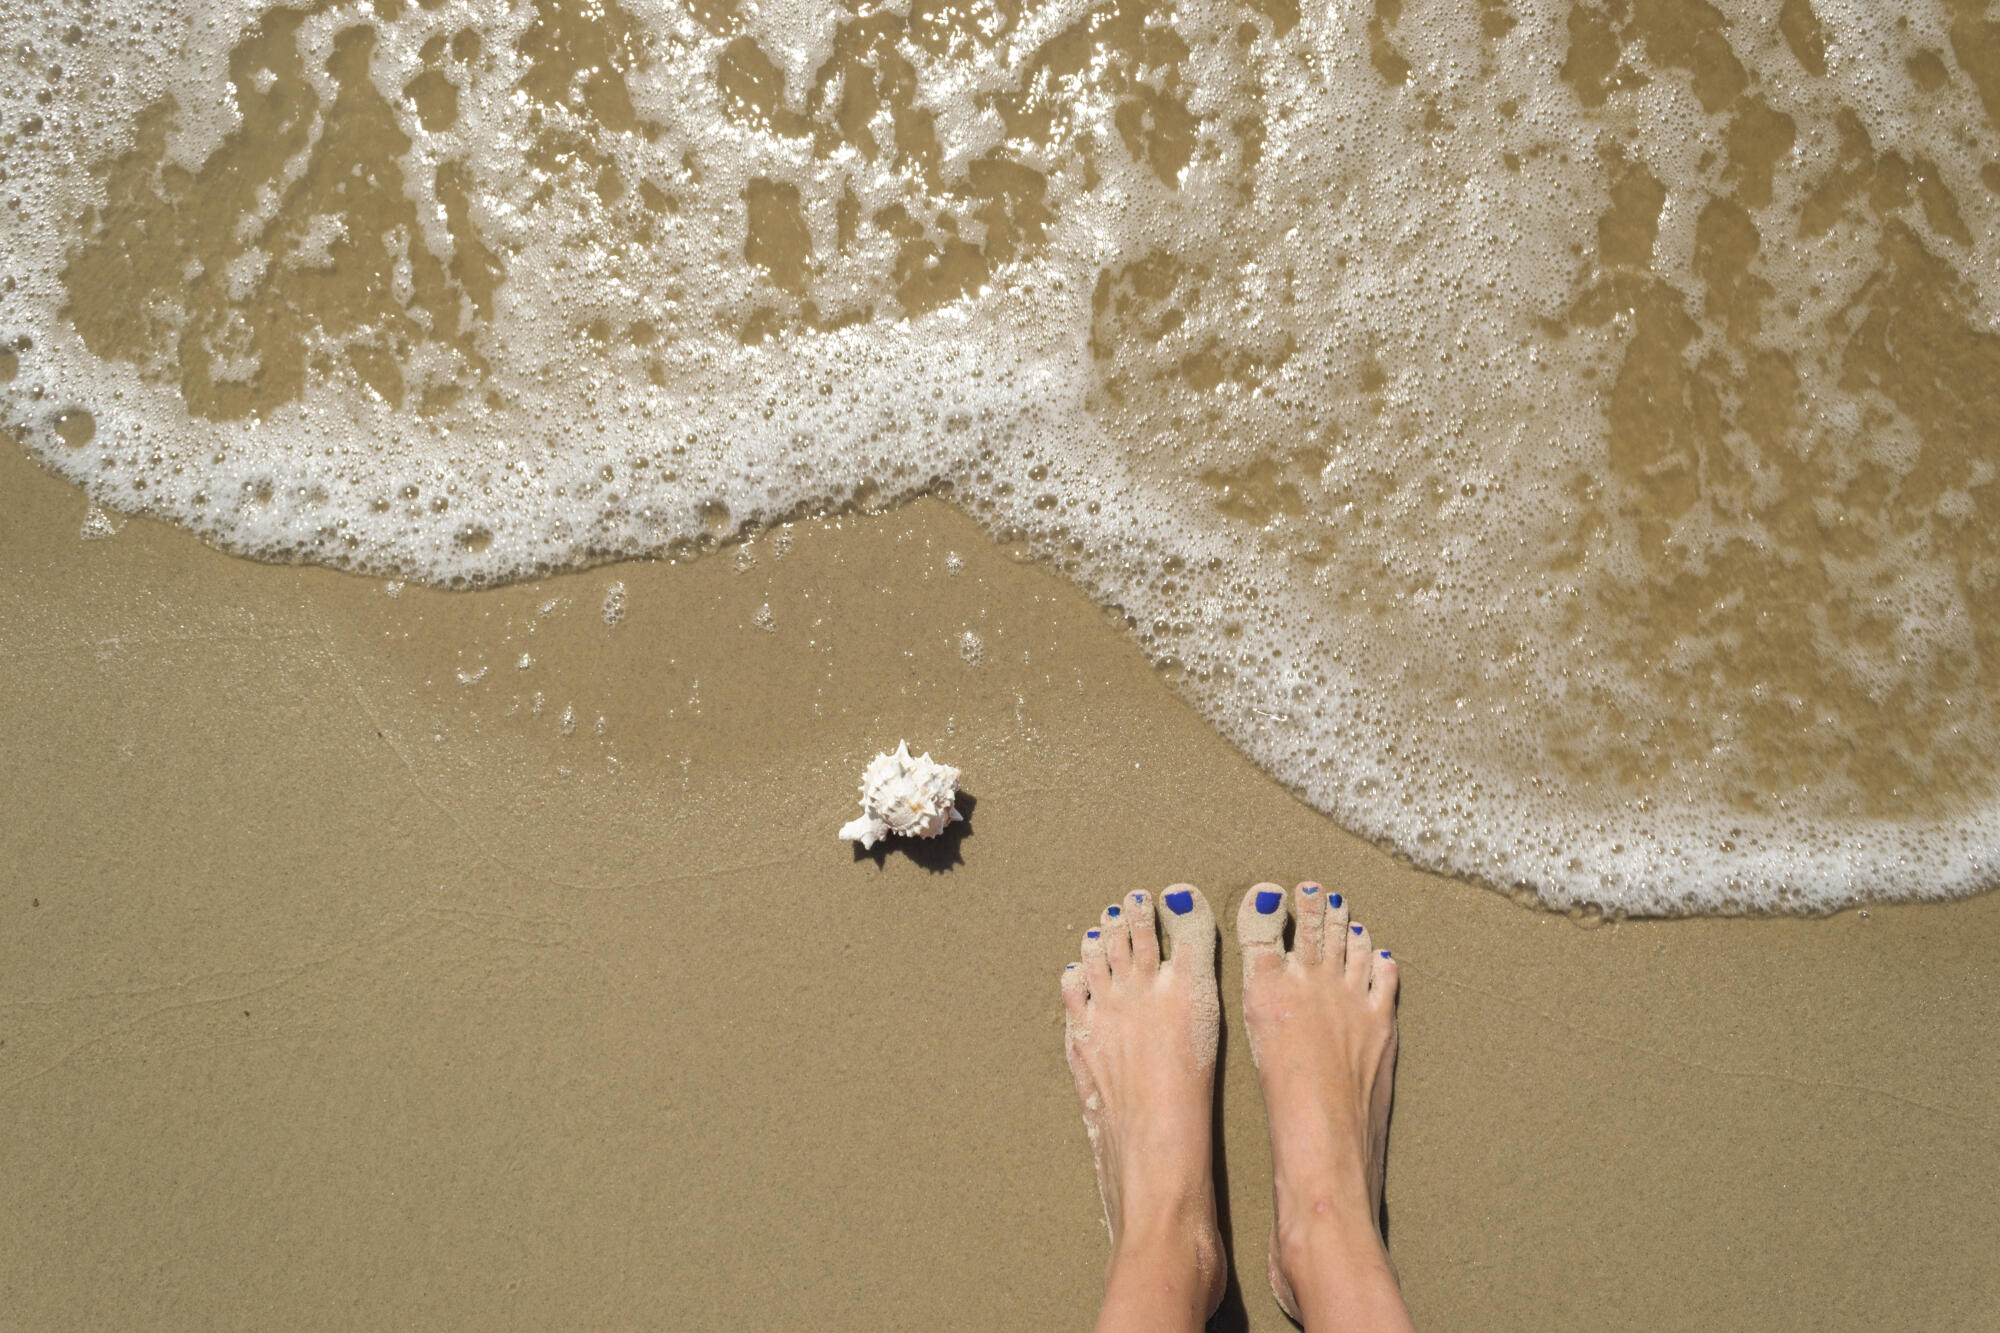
<point x="1140" y="1037"/>
<point x="1322" y="1022"/>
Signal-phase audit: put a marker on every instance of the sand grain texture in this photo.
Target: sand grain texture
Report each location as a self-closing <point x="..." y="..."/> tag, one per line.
<point x="336" y="992"/>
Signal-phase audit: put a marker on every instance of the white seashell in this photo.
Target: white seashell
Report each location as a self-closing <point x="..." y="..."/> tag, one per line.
<point x="913" y="797"/>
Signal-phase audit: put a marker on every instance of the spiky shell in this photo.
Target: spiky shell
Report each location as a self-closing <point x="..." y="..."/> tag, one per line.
<point x="906" y="795"/>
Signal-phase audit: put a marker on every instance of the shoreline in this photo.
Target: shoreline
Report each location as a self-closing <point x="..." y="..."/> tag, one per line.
<point x="359" y="991"/>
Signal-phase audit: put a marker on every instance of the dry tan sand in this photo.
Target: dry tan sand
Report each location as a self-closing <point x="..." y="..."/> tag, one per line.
<point x="335" y="992"/>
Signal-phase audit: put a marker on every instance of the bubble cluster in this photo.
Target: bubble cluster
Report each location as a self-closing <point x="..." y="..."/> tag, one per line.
<point x="1559" y="439"/>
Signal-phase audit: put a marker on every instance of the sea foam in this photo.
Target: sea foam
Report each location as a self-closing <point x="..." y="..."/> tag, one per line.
<point x="1557" y="439"/>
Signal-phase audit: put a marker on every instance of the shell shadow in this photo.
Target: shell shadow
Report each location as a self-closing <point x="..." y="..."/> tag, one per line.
<point x="936" y="855"/>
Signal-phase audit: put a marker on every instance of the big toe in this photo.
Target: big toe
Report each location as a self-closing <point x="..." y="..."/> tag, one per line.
<point x="1189" y="928"/>
<point x="1260" y="929"/>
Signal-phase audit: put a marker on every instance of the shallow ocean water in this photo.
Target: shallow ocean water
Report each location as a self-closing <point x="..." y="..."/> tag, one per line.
<point x="1558" y="439"/>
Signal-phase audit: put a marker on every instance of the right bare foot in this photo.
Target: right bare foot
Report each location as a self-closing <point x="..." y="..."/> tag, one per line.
<point x="1322" y="1020"/>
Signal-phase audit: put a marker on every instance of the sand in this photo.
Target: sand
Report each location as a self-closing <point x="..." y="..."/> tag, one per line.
<point x="335" y="992"/>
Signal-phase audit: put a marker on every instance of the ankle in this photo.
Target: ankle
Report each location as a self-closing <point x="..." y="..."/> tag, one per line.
<point x="1341" y="1276"/>
<point x="1171" y="1259"/>
<point x="1315" y="1230"/>
<point x="1171" y="1228"/>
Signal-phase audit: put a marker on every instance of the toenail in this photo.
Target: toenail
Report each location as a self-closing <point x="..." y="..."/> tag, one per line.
<point x="1111" y="911"/>
<point x="1333" y="901"/>
<point x="1091" y="934"/>
<point x="1180" y="904"/>
<point x="1072" y="966"/>
<point x="1355" y="929"/>
<point x="1310" y="889"/>
<point x="1138" y="897"/>
<point x="1385" y="953"/>
<point x="1267" y="902"/>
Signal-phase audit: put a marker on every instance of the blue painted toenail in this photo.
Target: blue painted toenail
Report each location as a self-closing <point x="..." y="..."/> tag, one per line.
<point x="1267" y="902"/>
<point x="1111" y="911"/>
<point x="1180" y="904"/>
<point x="1385" y="953"/>
<point x="1310" y="889"/>
<point x="1091" y="934"/>
<point x="1334" y="901"/>
<point x="1138" y="897"/>
<point x="1355" y="929"/>
<point x="1070" y="968"/>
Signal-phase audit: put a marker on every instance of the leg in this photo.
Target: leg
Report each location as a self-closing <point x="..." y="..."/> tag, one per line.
<point x="1322" y="1020"/>
<point x="1140" y="1037"/>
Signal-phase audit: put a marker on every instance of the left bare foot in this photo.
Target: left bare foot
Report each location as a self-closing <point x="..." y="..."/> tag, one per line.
<point x="1140" y="1037"/>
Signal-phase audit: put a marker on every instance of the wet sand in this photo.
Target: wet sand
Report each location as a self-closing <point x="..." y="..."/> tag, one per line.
<point x="336" y="992"/>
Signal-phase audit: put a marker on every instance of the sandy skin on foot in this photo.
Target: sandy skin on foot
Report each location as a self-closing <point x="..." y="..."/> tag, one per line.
<point x="1322" y="1023"/>
<point x="1142" y="1022"/>
<point x="1141" y="1030"/>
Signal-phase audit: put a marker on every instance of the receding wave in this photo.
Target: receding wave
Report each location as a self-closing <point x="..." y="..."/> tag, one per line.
<point x="1559" y="439"/>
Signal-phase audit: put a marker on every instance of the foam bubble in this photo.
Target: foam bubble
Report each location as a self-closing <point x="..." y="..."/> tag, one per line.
<point x="1557" y="440"/>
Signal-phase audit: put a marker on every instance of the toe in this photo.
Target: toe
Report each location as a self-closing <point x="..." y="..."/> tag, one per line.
<point x="1189" y="928"/>
<point x="1117" y="940"/>
<point x="1335" y="931"/>
<point x="1076" y="996"/>
<point x="1309" y="910"/>
<point x="1260" y="928"/>
<point x="1096" y="967"/>
<point x="1076" y="1033"/>
<point x="1358" y="949"/>
<point x="1145" y="935"/>
<point x="1382" y="976"/>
